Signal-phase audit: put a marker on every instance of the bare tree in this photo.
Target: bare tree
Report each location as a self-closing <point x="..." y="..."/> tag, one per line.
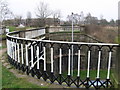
<point x="89" y="19"/>
<point x="56" y="16"/>
<point x="79" y="19"/>
<point x="82" y="18"/>
<point x="112" y="22"/>
<point x="103" y="21"/>
<point x="4" y="11"/>
<point x="42" y="12"/>
<point x="76" y="18"/>
<point x="17" y="20"/>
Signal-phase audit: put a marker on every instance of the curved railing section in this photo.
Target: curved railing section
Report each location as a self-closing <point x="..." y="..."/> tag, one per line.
<point x="52" y="60"/>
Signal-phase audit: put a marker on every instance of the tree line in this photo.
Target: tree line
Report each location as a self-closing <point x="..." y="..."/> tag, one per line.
<point x="80" y="19"/>
<point x="45" y="16"/>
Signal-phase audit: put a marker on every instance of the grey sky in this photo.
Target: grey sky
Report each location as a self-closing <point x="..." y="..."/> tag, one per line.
<point x="107" y="8"/>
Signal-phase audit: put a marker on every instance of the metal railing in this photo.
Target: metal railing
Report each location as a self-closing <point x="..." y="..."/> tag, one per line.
<point x="51" y="60"/>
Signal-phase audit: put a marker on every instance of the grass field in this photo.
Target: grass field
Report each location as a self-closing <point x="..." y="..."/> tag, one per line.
<point x="9" y="80"/>
<point x="70" y="31"/>
<point x="13" y="28"/>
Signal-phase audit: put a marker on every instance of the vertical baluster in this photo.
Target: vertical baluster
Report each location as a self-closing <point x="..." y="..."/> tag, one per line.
<point x="7" y="44"/>
<point x="18" y="52"/>
<point x="12" y="50"/>
<point x="69" y="62"/>
<point x="60" y="67"/>
<point x="109" y="63"/>
<point x="88" y="69"/>
<point x="78" y="74"/>
<point x="22" y="53"/>
<point x="26" y="47"/>
<point x="52" y="59"/>
<point x="44" y="49"/>
<point x="7" y="47"/>
<point x="98" y="69"/>
<point x="15" y="52"/>
<point x="32" y="56"/>
<point x="38" y="57"/>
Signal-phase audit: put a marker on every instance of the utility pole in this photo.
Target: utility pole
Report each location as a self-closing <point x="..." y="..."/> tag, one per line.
<point x="72" y="47"/>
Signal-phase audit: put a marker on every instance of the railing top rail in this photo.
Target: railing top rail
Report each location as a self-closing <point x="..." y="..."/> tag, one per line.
<point x="64" y="42"/>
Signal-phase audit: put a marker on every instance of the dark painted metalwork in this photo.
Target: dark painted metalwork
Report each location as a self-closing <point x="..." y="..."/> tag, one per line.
<point x="60" y="78"/>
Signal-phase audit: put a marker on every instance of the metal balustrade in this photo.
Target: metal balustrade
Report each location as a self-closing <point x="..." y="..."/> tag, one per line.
<point x="37" y="58"/>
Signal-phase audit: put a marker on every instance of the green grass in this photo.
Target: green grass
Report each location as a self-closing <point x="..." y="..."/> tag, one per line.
<point x="75" y="31"/>
<point x="12" y="28"/>
<point x="117" y="40"/>
<point x="93" y="74"/>
<point x="9" y="80"/>
<point x="3" y="36"/>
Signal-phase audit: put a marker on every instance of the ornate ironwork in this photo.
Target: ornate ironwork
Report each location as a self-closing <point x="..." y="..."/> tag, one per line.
<point x="30" y="56"/>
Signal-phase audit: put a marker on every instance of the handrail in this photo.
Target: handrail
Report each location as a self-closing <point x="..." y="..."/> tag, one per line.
<point x="62" y="42"/>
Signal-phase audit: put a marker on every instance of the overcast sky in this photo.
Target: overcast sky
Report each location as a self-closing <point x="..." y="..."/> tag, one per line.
<point x="107" y="8"/>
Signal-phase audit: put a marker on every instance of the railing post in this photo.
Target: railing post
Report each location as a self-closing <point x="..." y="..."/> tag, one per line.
<point x="38" y="67"/>
<point x="79" y="52"/>
<point x="98" y="68"/>
<point x="69" y="61"/>
<point x="22" y="53"/>
<point x="60" y="60"/>
<point x="51" y="59"/>
<point x="18" y="49"/>
<point x="26" y="48"/>
<point x="88" y="66"/>
<point x="32" y="56"/>
<point x="44" y="49"/>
